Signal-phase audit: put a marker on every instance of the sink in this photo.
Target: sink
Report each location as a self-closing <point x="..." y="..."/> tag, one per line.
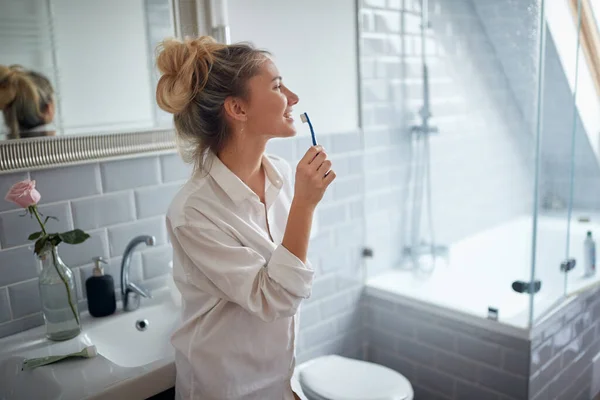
<point x="136" y="338"/>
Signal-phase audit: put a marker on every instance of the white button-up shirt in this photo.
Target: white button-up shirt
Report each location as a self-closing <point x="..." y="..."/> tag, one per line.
<point x="241" y="289"/>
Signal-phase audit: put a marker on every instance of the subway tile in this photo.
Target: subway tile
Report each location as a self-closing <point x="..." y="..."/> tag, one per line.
<point x="541" y="355"/>
<point x="101" y="211"/>
<point x="543" y="394"/>
<point x="335" y="261"/>
<point x="387" y="21"/>
<point x="83" y="253"/>
<point x="346" y="142"/>
<point x="395" y="4"/>
<point x="323" y="286"/>
<point x="17" y="264"/>
<point x="67" y="183"/>
<point x="318" y="334"/>
<point x="468" y="391"/>
<point x="545" y="375"/>
<point x="348" y="188"/>
<point x="349" y="321"/>
<point x="173" y="168"/>
<point x="334" y="305"/>
<point x="435" y="380"/>
<point x="332" y="215"/>
<point x="382" y="340"/>
<point x="120" y="235"/>
<point x="576" y="386"/>
<point x="22" y="324"/>
<point x="515" y="362"/>
<point x="156" y="261"/>
<point x="130" y="173"/>
<point x="349" y="236"/>
<point x="25" y="298"/>
<point x="479" y="350"/>
<point x="155" y="200"/>
<point x="422" y="393"/>
<point x="5" y="313"/>
<point x="415" y="351"/>
<point x="6" y="182"/>
<point x="16" y="228"/>
<point x="392" y="323"/>
<point x="356" y="210"/>
<point x="284" y="148"/>
<point x="503" y="382"/>
<point x="310" y="315"/>
<point x="399" y="364"/>
<point x="435" y="337"/>
<point x="374" y="3"/>
<point x="455" y="365"/>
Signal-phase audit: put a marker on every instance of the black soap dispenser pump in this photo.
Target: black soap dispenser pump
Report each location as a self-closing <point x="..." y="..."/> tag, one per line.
<point x="100" y="290"/>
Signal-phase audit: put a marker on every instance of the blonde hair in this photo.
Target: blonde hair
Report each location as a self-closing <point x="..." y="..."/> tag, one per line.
<point x="24" y="98"/>
<point x="198" y="74"/>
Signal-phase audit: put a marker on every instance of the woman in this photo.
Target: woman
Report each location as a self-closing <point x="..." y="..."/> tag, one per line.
<point x="27" y="102"/>
<point x="239" y="232"/>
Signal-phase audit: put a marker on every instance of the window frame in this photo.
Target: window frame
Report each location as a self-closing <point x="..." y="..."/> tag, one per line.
<point x="590" y="38"/>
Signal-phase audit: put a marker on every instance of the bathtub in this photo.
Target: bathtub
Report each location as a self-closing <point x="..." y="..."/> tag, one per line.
<point x="480" y="270"/>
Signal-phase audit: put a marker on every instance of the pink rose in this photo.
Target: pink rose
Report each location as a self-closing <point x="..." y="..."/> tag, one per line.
<point x="23" y="194"/>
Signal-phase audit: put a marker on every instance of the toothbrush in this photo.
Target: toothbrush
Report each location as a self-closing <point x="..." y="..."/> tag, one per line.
<point x="305" y="119"/>
<point x="88" y="352"/>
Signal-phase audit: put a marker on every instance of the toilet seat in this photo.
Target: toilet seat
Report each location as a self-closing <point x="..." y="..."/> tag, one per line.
<point x="339" y="378"/>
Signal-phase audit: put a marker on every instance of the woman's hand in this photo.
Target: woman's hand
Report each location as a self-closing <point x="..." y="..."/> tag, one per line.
<point x="313" y="176"/>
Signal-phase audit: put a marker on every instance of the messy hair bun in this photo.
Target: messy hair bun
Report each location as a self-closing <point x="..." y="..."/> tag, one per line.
<point x="24" y="98"/>
<point x="197" y="75"/>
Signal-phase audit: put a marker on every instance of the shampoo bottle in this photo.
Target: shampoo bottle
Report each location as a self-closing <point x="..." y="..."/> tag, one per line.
<point x="589" y="255"/>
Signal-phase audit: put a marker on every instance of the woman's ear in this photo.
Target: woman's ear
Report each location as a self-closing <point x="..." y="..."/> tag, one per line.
<point x="50" y="111"/>
<point x="235" y="109"/>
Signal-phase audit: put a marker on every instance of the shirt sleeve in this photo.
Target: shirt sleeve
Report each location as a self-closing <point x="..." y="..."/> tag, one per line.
<point x="217" y="262"/>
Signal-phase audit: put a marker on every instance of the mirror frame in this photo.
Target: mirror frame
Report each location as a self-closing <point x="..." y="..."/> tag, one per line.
<point x="191" y="19"/>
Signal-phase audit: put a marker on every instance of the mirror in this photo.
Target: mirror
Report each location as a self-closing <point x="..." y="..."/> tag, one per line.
<point x="80" y="67"/>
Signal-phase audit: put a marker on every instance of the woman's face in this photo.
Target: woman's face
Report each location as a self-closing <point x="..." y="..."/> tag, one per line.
<point x="270" y="104"/>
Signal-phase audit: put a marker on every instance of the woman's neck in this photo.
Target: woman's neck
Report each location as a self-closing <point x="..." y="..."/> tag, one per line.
<point x="244" y="159"/>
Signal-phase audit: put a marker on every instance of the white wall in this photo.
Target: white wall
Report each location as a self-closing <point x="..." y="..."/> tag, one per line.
<point x="315" y="47"/>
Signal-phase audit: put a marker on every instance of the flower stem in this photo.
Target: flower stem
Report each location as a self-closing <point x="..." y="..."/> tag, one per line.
<point x="34" y="211"/>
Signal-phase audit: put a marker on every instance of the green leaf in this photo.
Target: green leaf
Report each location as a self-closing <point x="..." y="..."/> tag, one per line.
<point x="50" y="217"/>
<point x="40" y="243"/>
<point x="75" y="236"/>
<point x="35" y="235"/>
<point x="54" y="239"/>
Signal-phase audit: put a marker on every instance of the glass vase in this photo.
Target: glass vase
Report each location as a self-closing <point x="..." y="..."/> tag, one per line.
<point x="58" y="297"/>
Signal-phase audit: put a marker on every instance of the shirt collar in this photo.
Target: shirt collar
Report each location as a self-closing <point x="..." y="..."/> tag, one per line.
<point x="233" y="186"/>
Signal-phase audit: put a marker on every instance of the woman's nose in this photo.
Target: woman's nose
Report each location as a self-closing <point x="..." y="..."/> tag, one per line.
<point x="292" y="98"/>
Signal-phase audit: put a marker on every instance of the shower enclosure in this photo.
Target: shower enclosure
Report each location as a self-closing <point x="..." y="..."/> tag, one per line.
<point x="482" y="160"/>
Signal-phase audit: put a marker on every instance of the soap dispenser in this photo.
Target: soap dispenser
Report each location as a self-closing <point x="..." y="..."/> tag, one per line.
<point x="100" y="291"/>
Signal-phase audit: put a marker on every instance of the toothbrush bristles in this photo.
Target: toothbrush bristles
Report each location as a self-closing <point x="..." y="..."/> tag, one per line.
<point x="303" y="118"/>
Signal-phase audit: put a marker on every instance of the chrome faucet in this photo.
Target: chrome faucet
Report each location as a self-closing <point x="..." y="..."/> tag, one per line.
<point x="130" y="292"/>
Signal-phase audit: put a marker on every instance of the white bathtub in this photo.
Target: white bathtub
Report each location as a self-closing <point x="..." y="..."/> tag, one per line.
<point x="482" y="268"/>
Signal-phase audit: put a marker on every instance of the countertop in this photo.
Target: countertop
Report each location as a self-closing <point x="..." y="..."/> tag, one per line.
<point x="75" y="379"/>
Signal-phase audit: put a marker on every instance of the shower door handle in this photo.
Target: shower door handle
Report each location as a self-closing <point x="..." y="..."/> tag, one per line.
<point x="568" y="265"/>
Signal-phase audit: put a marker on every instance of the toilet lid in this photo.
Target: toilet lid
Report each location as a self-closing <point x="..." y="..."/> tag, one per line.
<point x="335" y="377"/>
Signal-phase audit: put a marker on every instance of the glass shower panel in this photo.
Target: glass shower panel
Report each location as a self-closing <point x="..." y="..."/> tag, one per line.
<point x="553" y="261"/>
<point x="448" y="106"/>
<point x="585" y="166"/>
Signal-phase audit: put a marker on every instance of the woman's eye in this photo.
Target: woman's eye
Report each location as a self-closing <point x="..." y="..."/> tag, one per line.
<point x="278" y="87"/>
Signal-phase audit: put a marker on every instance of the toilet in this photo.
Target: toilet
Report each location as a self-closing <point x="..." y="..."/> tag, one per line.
<point x="334" y="377"/>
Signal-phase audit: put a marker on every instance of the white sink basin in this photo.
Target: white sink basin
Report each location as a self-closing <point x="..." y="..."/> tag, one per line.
<point x="136" y="338"/>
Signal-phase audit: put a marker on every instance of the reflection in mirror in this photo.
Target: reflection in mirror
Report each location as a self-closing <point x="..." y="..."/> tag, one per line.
<point x="80" y="67"/>
<point x="27" y="103"/>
